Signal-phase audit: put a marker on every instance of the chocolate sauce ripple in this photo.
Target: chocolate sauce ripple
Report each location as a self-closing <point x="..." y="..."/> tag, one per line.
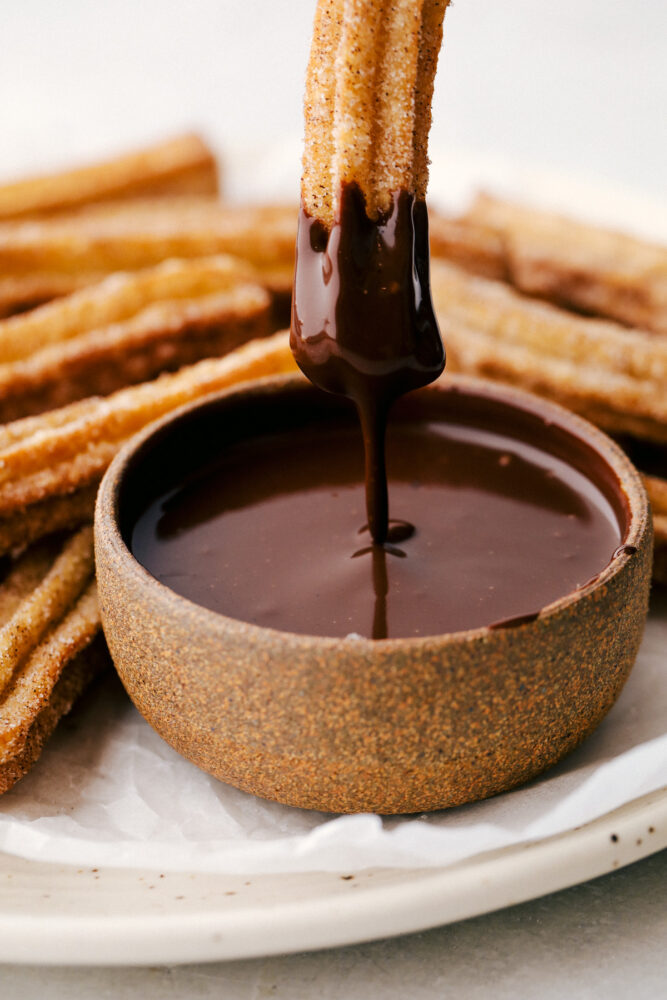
<point x="363" y="323"/>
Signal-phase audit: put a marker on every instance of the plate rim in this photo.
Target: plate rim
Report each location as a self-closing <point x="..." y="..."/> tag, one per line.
<point x="412" y="900"/>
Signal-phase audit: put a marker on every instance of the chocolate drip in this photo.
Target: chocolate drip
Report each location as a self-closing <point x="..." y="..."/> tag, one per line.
<point x="363" y="323"/>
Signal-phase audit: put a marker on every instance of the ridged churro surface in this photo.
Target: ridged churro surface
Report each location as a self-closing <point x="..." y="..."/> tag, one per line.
<point x="126" y="330"/>
<point x="613" y="376"/>
<point x="180" y="166"/>
<point x="581" y="266"/>
<point x="50" y="465"/>
<point x="48" y="618"/>
<point x="368" y="101"/>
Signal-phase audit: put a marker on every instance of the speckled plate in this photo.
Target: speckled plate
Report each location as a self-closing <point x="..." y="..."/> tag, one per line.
<point x="140" y="917"/>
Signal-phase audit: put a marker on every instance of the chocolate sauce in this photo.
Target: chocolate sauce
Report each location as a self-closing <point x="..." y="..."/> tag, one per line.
<point x="271" y="531"/>
<point x="363" y="323"/>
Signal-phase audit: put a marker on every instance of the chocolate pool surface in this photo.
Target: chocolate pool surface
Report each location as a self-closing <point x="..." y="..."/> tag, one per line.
<point x="485" y="529"/>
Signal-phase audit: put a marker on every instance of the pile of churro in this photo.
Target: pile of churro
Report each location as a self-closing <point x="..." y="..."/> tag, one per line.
<point x="131" y="287"/>
<point x="127" y="288"/>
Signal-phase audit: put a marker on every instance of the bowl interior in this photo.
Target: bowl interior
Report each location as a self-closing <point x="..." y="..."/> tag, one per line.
<point x="186" y="446"/>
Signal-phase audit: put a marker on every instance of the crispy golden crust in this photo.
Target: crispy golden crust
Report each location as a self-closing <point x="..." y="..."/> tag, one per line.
<point x="74" y="679"/>
<point x="46" y="604"/>
<point x="613" y="376"/>
<point x="131" y="235"/>
<point x="430" y="42"/>
<point x="117" y="298"/>
<point x="477" y="249"/>
<point x="18" y="293"/>
<point x="181" y="166"/>
<point x="48" y="616"/>
<point x="368" y="101"/>
<point x="44" y="259"/>
<point x="127" y="330"/>
<point x="657" y="494"/>
<point x="58" y="513"/>
<point x="584" y="267"/>
<point x="63" y="454"/>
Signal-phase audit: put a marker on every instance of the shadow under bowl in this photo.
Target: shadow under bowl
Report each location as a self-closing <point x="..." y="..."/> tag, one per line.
<point x="388" y="726"/>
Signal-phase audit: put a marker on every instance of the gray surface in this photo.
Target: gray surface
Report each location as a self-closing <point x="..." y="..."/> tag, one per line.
<point x="605" y="939"/>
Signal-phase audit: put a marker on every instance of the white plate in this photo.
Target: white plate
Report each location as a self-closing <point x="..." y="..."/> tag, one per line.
<point x="126" y="917"/>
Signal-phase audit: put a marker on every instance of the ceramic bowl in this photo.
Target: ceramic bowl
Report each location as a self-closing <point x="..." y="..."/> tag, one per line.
<point x="391" y="726"/>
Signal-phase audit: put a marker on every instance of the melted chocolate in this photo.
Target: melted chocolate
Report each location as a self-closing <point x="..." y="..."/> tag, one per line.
<point x="271" y="532"/>
<point x="363" y="323"/>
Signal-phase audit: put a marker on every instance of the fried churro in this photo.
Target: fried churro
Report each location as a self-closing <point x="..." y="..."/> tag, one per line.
<point x="126" y="330"/>
<point x="180" y="166"/>
<point x="368" y="102"/>
<point x="46" y="258"/>
<point x="614" y="376"/>
<point x="478" y="249"/>
<point x="130" y="235"/>
<point x="587" y="268"/>
<point x="48" y="620"/>
<point x="657" y="494"/>
<point x="50" y="465"/>
<point x="611" y="375"/>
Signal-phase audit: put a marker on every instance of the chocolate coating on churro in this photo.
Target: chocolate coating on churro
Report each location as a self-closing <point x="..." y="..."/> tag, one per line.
<point x="362" y="320"/>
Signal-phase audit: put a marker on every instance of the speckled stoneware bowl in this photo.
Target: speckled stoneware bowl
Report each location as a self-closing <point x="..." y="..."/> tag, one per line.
<point x="390" y="726"/>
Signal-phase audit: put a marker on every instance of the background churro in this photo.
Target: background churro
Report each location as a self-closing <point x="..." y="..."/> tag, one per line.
<point x="583" y="267"/>
<point x="180" y="166"/>
<point x="50" y="465"/>
<point x="48" y="620"/>
<point x="127" y="329"/>
<point x="45" y="258"/>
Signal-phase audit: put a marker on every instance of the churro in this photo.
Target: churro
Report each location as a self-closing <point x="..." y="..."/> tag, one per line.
<point x="43" y="259"/>
<point x="657" y="494"/>
<point x="478" y="249"/>
<point x="180" y="166"/>
<point x="368" y="102"/>
<point x="48" y="619"/>
<point x="50" y="465"/>
<point x="126" y="330"/>
<point x="611" y="375"/>
<point x="587" y="268"/>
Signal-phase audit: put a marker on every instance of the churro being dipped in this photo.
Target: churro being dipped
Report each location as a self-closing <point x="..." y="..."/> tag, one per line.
<point x="362" y="321"/>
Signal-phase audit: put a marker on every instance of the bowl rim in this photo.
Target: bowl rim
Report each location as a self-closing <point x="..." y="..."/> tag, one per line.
<point x="629" y="480"/>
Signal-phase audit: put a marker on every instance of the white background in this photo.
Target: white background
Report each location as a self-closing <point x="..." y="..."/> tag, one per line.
<point x="578" y="86"/>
